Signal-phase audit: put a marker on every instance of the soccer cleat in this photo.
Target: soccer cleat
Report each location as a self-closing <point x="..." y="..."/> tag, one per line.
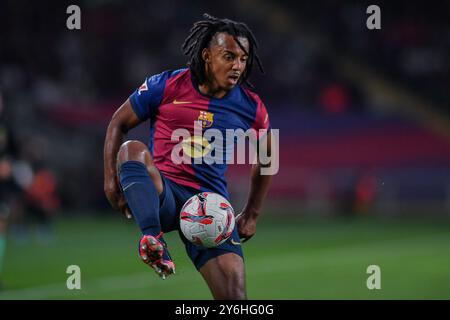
<point x="151" y="251"/>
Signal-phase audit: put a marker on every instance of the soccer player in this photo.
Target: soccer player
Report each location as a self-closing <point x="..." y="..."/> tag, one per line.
<point x="144" y="182"/>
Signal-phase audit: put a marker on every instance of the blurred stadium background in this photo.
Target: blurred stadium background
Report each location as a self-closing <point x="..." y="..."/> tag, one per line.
<point x="364" y="141"/>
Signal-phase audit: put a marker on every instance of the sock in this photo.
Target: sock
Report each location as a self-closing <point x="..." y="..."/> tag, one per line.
<point x="142" y="198"/>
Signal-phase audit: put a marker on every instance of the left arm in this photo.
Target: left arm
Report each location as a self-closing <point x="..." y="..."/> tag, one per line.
<point x="259" y="186"/>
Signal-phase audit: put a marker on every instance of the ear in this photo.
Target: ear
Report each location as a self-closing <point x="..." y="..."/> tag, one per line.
<point x="206" y="55"/>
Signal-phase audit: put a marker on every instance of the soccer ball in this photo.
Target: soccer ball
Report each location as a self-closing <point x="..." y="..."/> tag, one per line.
<point x="207" y="219"/>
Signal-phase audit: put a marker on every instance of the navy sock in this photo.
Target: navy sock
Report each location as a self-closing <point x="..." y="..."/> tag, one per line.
<point x="142" y="197"/>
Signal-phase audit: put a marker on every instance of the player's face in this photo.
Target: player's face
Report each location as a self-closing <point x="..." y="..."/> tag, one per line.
<point x="225" y="61"/>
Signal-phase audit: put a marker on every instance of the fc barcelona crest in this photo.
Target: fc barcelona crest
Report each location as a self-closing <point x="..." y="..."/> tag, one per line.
<point x="206" y="119"/>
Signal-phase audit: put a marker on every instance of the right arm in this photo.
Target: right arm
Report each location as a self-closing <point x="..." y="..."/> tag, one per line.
<point x="121" y="122"/>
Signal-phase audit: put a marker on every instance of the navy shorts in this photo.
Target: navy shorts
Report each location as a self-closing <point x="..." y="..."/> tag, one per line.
<point x="173" y="198"/>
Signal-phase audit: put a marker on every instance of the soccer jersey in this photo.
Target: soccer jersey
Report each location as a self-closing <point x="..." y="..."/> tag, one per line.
<point x="171" y="100"/>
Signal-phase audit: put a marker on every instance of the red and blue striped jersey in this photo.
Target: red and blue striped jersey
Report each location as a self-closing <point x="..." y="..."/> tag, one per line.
<point x="171" y="101"/>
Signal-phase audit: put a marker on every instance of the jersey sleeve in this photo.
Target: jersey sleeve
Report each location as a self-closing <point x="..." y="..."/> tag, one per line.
<point x="147" y="98"/>
<point x="261" y="122"/>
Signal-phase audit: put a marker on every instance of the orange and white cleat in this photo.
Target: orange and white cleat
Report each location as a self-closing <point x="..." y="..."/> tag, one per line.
<point x="152" y="251"/>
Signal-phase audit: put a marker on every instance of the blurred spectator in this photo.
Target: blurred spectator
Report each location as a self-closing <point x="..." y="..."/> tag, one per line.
<point x="41" y="200"/>
<point x="334" y="99"/>
<point x="8" y="187"/>
<point x="359" y="195"/>
<point x="365" y="192"/>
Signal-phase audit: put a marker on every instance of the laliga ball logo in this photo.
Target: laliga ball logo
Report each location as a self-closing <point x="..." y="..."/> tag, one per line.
<point x="207" y="219"/>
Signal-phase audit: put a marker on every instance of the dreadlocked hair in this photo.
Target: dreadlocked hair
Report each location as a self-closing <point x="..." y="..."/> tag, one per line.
<point x="200" y="37"/>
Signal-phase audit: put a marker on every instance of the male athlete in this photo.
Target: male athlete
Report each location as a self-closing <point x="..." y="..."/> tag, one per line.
<point x="146" y="183"/>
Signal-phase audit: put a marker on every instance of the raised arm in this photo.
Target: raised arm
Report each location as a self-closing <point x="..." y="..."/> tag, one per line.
<point x="121" y="122"/>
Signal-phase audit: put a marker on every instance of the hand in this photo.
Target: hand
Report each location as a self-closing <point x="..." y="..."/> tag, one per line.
<point x="246" y="224"/>
<point x="116" y="198"/>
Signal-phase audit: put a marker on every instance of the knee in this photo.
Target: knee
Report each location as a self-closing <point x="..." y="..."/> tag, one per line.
<point x="133" y="150"/>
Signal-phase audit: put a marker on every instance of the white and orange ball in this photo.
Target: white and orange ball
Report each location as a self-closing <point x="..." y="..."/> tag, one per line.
<point x="207" y="219"/>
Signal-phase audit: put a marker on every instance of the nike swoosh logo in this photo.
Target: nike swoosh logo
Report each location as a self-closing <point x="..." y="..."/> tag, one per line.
<point x="235" y="243"/>
<point x="180" y="102"/>
<point x="129" y="186"/>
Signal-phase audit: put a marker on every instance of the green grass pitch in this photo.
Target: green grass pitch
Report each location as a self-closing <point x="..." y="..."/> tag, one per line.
<point x="289" y="258"/>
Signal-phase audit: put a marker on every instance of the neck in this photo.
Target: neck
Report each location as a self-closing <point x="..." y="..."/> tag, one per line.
<point x="212" y="89"/>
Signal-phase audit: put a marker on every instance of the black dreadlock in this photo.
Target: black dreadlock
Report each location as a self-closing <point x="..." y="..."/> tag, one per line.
<point x="200" y="37"/>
